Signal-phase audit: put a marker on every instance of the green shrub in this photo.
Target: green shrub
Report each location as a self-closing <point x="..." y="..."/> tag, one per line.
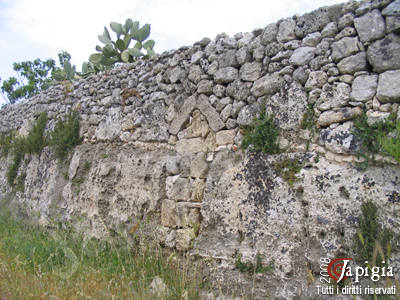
<point x="6" y="139"/>
<point x="262" y="133"/>
<point x="65" y="136"/>
<point x="18" y="154"/>
<point x="33" y="143"/>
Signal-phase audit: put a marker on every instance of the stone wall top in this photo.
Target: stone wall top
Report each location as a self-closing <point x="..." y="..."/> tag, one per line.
<point x="339" y="60"/>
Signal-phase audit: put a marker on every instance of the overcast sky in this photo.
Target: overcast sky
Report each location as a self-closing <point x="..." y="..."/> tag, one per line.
<point x="32" y="29"/>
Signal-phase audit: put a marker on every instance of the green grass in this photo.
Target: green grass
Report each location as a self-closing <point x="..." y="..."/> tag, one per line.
<point x="391" y="145"/>
<point x="372" y="241"/>
<point x="262" y="134"/>
<point x="38" y="263"/>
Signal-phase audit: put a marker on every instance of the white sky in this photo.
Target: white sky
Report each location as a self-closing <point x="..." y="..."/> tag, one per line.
<point x="32" y="29"/>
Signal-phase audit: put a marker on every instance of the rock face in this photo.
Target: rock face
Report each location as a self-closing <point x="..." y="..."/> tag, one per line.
<point x="167" y="159"/>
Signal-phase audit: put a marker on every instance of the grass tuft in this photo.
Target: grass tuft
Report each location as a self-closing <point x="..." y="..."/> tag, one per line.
<point x="374" y="138"/>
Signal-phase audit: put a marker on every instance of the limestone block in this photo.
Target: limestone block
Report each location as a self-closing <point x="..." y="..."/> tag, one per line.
<point x="340" y="139"/>
<point x="267" y="85"/>
<point x="225" y="137"/>
<point x="364" y="87"/>
<point x="226" y="75"/>
<point x="286" y="31"/>
<point x="168" y="213"/>
<point x="316" y="80"/>
<point x="393" y="9"/>
<point x="393" y="24"/>
<point x="250" y="71"/>
<point x="184" y="238"/>
<point x="334" y="96"/>
<point x="269" y="34"/>
<point x="384" y="54"/>
<point x="302" y="56"/>
<point x="198" y="126"/>
<point x="194" y="145"/>
<point x="172" y="165"/>
<point x="370" y="26"/>
<point x="341" y="115"/>
<point x="196" y="57"/>
<point x="182" y="116"/>
<point x="205" y="87"/>
<point x="228" y="59"/>
<point x="214" y="121"/>
<point x="312" y="39"/>
<point x="389" y="87"/>
<point x="182" y="213"/>
<point x="376" y="116"/>
<point x="352" y="64"/>
<point x="177" y="188"/>
<point x="345" y="47"/>
<point x="199" y="166"/>
<point x="197" y="190"/>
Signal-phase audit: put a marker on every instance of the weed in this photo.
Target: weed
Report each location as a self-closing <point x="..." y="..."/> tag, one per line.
<point x="65" y="136"/>
<point x="251" y="268"/>
<point x="288" y="169"/>
<point x="262" y="134"/>
<point x="392" y="145"/>
<point x="371" y="239"/>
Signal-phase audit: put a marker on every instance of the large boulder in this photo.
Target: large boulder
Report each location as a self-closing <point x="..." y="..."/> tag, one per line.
<point x="364" y="87"/>
<point x="384" y="54"/>
<point x="370" y="26"/>
<point x="267" y="85"/>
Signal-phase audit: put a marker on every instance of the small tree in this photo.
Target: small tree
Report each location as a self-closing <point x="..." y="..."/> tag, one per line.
<point x="32" y="77"/>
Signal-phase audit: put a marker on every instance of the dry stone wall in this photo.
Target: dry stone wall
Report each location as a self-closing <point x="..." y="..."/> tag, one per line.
<point x="163" y="140"/>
